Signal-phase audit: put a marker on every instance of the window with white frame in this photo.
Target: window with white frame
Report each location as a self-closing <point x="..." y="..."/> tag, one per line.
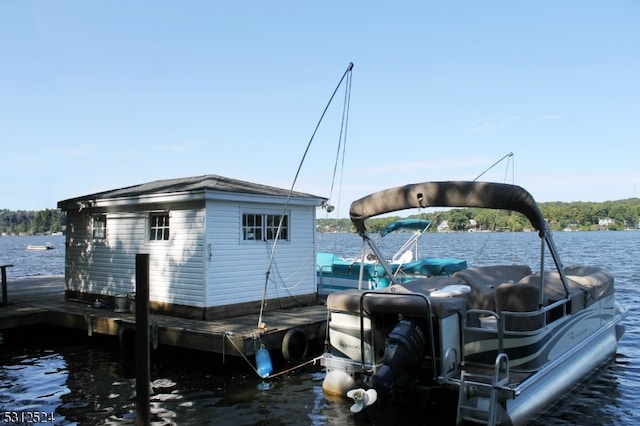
<point x="272" y="224"/>
<point x="99" y="227"/>
<point x="264" y="227"/>
<point x="159" y="226"/>
<point x="252" y="227"/>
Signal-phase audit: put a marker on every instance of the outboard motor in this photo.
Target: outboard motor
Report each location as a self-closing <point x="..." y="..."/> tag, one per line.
<point x="402" y="357"/>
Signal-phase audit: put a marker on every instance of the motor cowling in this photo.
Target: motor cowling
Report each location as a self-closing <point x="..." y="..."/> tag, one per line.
<point x="404" y="351"/>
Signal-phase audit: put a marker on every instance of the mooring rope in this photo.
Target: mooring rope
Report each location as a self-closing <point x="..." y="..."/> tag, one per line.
<point x="292" y="368"/>
<point x="271" y="376"/>
<point x="226" y="335"/>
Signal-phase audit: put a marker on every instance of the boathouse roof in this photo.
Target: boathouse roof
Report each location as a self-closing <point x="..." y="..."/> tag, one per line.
<point x="188" y="188"/>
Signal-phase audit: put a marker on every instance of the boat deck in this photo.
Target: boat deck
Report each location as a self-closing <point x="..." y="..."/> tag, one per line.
<point x="41" y="300"/>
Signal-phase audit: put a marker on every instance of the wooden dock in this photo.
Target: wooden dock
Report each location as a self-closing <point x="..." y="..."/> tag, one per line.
<point x="40" y="300"/>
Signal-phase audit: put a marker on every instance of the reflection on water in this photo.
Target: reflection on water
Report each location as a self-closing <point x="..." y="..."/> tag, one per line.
<point x="87" y="380"/>
<point x="33" y="382"/>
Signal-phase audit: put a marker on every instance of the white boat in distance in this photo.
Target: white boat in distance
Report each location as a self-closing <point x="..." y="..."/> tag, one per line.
<point x="498" y="344"/>
<point x="40" y="247"/>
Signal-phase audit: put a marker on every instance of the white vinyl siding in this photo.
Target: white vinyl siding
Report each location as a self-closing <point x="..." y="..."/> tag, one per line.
<point x="176" y="268"/>
<point x="108" y="266"/>
<point x="236" y="270"/>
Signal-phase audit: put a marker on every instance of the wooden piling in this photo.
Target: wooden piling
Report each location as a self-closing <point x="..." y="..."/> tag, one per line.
<point x="143" y="380"/>
<point x="5" y="297"/>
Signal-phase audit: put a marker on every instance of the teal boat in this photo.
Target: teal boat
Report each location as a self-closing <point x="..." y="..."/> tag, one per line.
<point x="368" y="272"/>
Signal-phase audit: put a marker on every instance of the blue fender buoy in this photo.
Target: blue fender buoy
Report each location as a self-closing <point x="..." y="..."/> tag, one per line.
<point x="263" y="363"/>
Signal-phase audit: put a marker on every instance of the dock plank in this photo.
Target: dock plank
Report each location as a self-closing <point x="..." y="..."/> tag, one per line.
<point x="41" y="300"/>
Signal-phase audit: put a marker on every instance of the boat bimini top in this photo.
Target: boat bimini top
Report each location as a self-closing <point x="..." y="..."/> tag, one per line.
<point x="489" y="195"/>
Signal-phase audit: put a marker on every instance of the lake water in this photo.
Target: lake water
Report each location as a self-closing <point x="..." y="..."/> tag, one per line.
<point x="87" y="380"/>
<point x="13" y="251"/>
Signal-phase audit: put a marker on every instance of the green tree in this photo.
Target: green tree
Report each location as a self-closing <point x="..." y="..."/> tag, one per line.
<point x="459" y="220"/>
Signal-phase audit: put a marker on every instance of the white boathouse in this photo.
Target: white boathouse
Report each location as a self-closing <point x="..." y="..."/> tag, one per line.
<point x="209" y="240"/>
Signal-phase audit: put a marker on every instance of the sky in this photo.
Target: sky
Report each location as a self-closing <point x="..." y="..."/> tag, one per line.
<point x="102" y="95"/>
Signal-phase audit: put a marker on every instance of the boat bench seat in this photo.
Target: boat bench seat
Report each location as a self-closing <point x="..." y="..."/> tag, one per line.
<point x="517" y="298"/>
<point x="515" y="289"/>
<point x="502" y="288"/>
<point x="595" y="281"/>
<point x="484" y="280"/>
<point x="586" y="284"/>
<point x="409" y="298"/>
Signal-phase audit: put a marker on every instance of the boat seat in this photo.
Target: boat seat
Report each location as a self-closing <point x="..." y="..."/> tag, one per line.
<point x="407" y="298"/>
<point x="554" y="290"/>
<point x="587" y="284"/>
<point x="326" y="259"/>
<point x="406" y="257"/>
<point x="484" y="280"/>
<point x="597" y="282"/>
<point x="519" y="297"/>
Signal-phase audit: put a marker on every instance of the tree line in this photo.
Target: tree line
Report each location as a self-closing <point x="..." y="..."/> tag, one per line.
<point x="582" y="216"/>
<point x="23" y="222"/>
<point x="576" y="216"/>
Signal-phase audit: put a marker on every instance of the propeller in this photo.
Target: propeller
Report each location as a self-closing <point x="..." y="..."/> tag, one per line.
<point x="362" y="398"/>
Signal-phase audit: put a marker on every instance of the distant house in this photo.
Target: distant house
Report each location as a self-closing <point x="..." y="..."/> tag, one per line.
<point x="443" y="226"/>
<point x="209" y="240"/>
<point x="606" y="222"/>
